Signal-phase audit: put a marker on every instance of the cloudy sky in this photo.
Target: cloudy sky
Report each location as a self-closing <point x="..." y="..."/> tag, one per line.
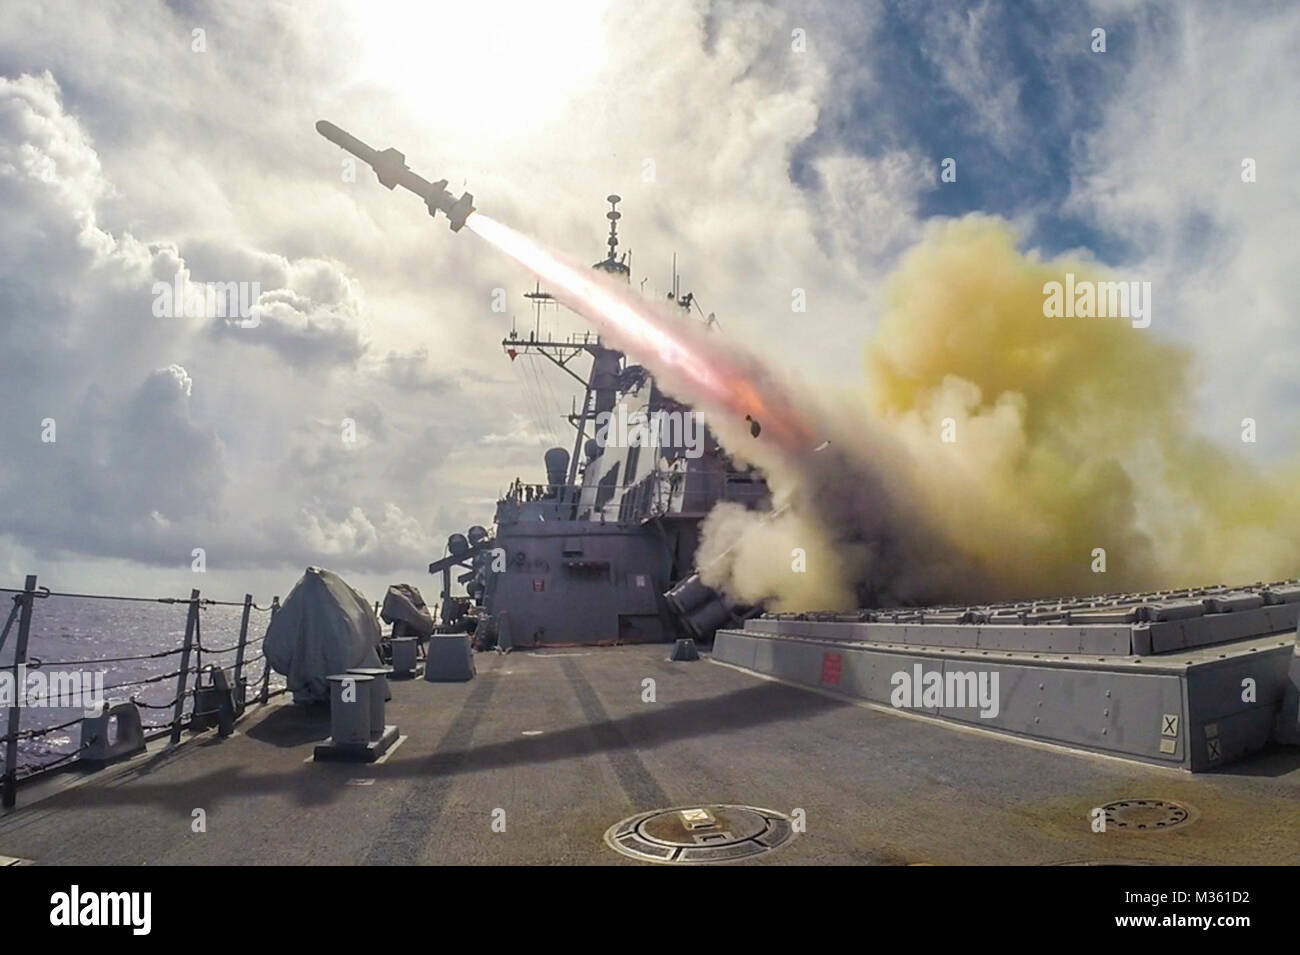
<point x="770" y="146"/>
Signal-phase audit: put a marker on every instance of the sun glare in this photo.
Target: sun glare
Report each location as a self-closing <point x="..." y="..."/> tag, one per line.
<point x="498" y="68"/>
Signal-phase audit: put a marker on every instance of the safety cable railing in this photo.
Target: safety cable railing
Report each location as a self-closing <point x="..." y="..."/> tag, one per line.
<point x="192" y="648"/>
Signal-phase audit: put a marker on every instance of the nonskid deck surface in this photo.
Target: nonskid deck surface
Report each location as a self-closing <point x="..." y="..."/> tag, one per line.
<point x="565" y="744"/>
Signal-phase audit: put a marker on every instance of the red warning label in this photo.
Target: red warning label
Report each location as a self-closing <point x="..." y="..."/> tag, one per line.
<point x="831" y="664"/>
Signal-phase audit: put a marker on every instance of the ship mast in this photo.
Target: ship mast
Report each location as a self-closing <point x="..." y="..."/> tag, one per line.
<point x="601" y="383"/>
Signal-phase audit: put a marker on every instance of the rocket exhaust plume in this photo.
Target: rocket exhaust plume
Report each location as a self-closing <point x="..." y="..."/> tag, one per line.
<point x="679" y="353"/>
<point x="690" y="361"/>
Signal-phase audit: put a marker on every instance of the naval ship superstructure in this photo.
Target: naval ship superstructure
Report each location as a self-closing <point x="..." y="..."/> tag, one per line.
<point x="604" y="551"/>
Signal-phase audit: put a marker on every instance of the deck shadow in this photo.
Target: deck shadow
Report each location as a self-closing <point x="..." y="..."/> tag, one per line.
<point x="712" y="716"/>
<point x="1274" y="761"/>
<point x="293" y="724"/>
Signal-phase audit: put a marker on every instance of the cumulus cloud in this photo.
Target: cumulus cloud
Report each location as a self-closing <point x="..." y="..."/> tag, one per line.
<point x="139" y="459"/>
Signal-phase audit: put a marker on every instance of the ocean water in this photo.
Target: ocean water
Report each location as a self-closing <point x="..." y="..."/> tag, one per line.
<point x="80" y="634"/>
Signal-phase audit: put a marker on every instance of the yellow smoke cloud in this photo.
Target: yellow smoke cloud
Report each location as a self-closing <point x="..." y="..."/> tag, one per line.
<point x="1068" y="435"/>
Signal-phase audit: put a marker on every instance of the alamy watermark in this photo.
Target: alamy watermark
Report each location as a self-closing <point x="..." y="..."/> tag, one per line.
<point x="132" y="910"/>
<point x="39" y="687"/>
<point x="652" y="429"/>
<point x="949" y="690"/>
<point x="231" y="300"/>
<point x="1087" y="299"/>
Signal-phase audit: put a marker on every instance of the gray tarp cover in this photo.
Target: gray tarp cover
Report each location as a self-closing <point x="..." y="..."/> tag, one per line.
<point x="323" y="627"/>
<point x="403" y="602"/>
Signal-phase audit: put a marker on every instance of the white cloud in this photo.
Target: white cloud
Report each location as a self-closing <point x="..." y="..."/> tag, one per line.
<point x="1163" y="171"/>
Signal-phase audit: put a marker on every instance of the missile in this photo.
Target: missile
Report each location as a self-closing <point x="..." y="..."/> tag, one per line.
<point x="391" y="170"/>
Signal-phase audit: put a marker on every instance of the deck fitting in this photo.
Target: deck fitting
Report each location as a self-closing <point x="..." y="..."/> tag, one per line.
<point x="699" y="835"/>
<point x="329" y="751"/>
<point x="1145" y="815"/>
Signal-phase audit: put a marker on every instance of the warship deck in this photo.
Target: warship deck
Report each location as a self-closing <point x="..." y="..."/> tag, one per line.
<point x="562" y="741"/>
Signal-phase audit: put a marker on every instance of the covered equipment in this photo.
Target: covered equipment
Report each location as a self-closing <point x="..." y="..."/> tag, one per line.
<point x="323" y="627"/>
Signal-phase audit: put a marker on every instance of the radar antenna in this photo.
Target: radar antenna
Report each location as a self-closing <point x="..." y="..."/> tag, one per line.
<point x="614" y="263"/>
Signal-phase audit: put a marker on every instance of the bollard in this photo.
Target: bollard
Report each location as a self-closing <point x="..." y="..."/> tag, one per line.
<point x="353" y="735"/>
<point x="350" y="719"/>
<point x="378" y="696"/>
<point x="403" y="656"/>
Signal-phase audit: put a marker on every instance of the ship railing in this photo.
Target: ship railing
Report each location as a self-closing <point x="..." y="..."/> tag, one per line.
<point x="571" y="493"/>
<point x="663" y="492"/>
<point x="192" y="650"/>
<point x="525" y="493"/>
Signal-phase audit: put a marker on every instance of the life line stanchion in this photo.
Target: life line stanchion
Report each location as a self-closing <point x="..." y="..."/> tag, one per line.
<point x="28" y="597"/>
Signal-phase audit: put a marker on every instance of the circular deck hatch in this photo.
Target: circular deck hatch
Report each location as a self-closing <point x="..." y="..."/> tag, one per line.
<point x="1145" y="815"/>
<point x="696" y="835"/>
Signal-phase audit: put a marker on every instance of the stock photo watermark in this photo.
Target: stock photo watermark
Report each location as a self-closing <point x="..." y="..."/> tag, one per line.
<point x="125" y="909"/>
<point x="652" y="429"/>
<point x="950" y="690"/>
<point x="1084" y="298"/>
<point x="36" y="687"/>
<point x="228" y="300"/>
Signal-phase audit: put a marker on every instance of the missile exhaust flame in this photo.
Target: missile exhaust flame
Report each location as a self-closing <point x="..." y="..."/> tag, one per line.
<point x="687" y="358"/>
<point x="694" y="367"/>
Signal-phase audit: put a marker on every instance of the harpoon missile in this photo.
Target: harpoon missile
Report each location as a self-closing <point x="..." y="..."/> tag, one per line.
<point x="391" y="169"/>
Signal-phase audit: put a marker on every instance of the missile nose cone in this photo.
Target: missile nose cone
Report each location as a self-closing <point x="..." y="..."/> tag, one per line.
<point x="345" y="140"/>
<point x="328" y="130"/>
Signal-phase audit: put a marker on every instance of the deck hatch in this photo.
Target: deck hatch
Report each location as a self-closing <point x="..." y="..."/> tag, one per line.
<point x="1145" y="815"/>
<point x="695" y="835"/>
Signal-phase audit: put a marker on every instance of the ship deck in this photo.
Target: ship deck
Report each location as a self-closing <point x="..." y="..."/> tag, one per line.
<point x="877" y="787"/>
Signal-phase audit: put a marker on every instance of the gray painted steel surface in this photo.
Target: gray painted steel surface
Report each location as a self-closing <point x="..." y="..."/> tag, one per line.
<point x="1196" y="708"/>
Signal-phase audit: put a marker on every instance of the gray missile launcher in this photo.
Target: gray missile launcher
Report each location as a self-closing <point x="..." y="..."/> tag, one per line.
<point x="1194" y="678"/>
